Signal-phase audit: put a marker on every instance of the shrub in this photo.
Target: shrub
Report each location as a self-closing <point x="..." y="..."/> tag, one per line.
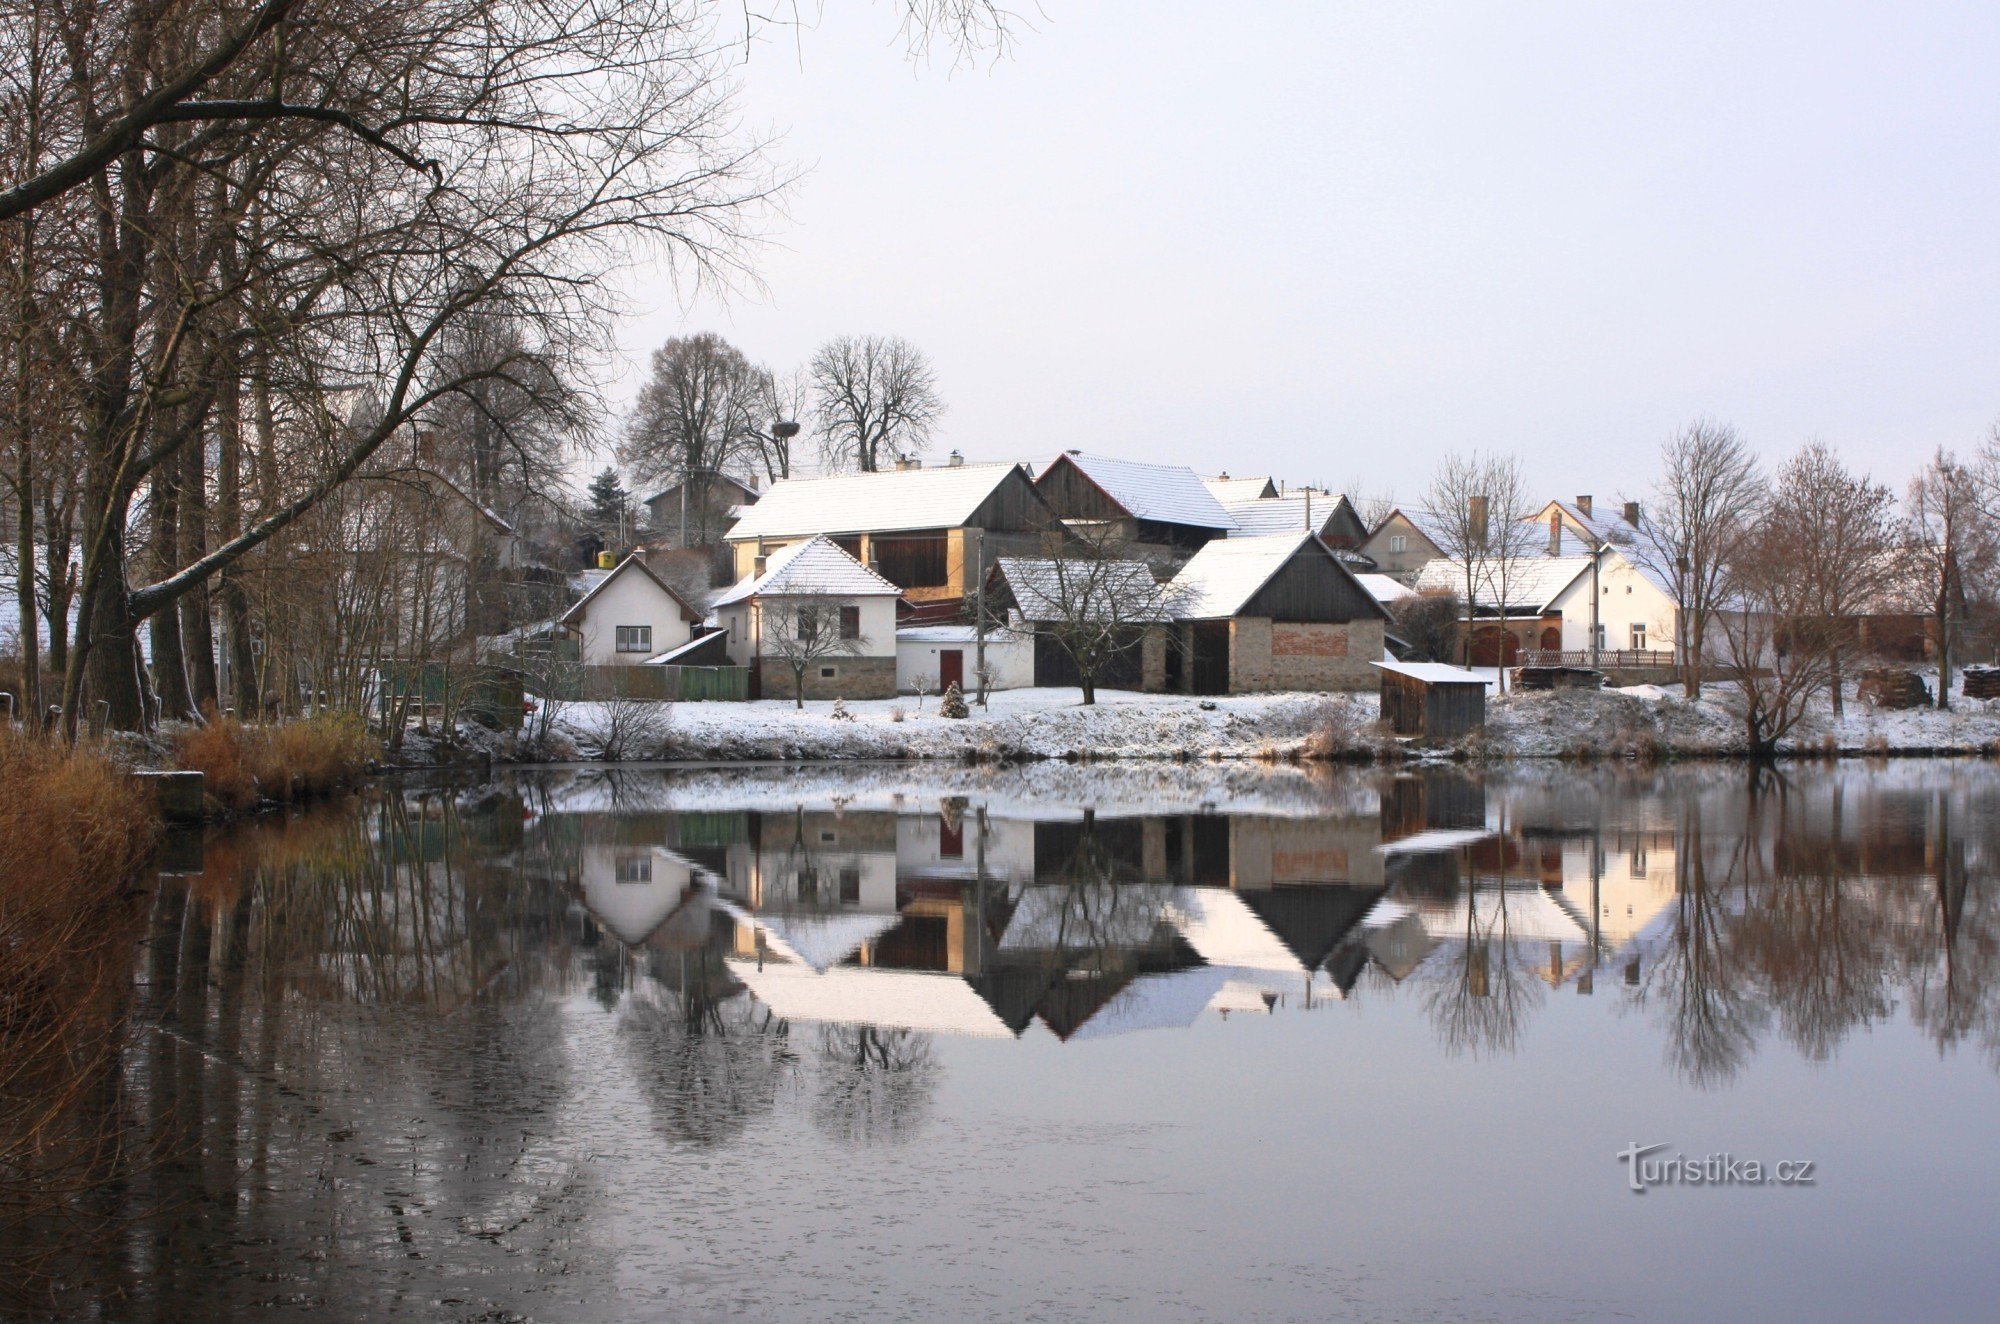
<point x="897" y="714"/>
<point x="840" y="713"/>
<point x="243" y="765"/>
<point x="1340" y="734"/>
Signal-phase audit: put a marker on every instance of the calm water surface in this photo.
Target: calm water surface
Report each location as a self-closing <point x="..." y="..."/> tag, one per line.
<point x="1057" y="1043"/>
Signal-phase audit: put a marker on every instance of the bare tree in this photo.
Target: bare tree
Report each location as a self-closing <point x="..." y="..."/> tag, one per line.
<point x="784" y="399"/>
<point x="1477" y="503"/>
<point x="802" y="632"/>
<point x="876" y="399"/>
<point x="696" y="416"/>
<point x="1428" y="623"/>
<point x="1950" y="542"/>
<point x="1778" y="642"/>
<point x="1093" y="597"/>
<point x="1705" y="499"/>
<point x="1833" y="530"/>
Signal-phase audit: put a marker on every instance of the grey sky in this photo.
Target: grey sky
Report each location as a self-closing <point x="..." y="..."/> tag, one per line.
<point x="1333" y="242"/>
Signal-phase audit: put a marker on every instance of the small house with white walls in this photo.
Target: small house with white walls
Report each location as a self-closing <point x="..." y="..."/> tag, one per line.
<point x="931" y="658"/>
<point x="629" y="617"/>
<point x="805" y="575"/>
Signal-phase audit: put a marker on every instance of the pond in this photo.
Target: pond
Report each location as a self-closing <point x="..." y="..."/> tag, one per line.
<point x="1073" y="1042"/>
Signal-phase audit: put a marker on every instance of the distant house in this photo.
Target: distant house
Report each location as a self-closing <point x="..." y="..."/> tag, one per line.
<point x="1157" y="505"/>
<point x="929" y="658"/>
<point x="631" y="616"/>
<point x="1549" y="609"/>
<point x="926" y="531"/>
<point x="816" y="573"/>
<point x="1274" y="613"/>
<point x="1407" y="539"/>
<point x="698" y="510"/>
<point x="1579" y="526"/>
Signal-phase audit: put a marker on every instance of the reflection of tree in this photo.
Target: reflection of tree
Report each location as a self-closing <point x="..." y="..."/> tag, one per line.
<point x="1480" y="992"/>
<point x="874" y="1085"/>
<point x="1714" y="1014"/>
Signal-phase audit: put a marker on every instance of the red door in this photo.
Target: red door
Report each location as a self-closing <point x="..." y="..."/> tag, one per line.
<point x="951" y="669"/>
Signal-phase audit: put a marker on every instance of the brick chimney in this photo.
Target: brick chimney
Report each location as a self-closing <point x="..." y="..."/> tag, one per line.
<point x="1555" y="534"/>
<point x="1632" y="513"/>
<point x="1583" y="504"/>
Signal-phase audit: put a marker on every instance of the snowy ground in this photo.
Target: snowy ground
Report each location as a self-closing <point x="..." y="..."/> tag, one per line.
<point x="1053" y="724"/>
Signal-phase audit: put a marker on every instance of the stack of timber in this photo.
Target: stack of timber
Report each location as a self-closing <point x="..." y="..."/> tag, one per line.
<point x="1893" y="687"/>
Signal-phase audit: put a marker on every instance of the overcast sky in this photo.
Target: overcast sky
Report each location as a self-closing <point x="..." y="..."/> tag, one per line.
<point x="1333" y="242"/>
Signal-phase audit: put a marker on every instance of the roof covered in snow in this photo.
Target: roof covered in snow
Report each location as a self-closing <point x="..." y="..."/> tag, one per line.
<point x="816" y="567"/>
<point x="1386" y="589"/>
<point x="1226" y="489"/>
<point x="1168" y="493"/>
<point x="1291" y="513"/>
<point x="1533" y="582"/>
<point x="1046" y="589"/>
<point x="1424" y="521"/>
<point x="1434" y="673"/>
<point x="630" y="564"/>
<point x="1219" y="580"/>
<point x="898" y="499"/>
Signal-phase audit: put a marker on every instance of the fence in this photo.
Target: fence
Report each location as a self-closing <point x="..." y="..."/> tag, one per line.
<point x="1606" y="659"/>
<point x="662" y="684"/>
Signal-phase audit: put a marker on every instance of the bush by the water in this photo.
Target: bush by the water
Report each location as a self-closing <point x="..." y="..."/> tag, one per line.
<point x="75" y="829"/>
<point x="244" y="765"/>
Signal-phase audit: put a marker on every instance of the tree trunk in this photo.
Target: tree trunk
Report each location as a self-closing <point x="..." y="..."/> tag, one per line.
<point x="1944" y="658"/>
<point x="196" y="620"/>
<point x="169" y="664"/>
<point x="1089" y="688"/>
<point x="30" y="697"/>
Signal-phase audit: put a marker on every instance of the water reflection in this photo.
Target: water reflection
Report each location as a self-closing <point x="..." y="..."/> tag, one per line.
<point x="370" y="1037"/>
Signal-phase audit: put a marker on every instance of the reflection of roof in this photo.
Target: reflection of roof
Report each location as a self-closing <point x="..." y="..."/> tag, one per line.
<point x="1529" y="913"/>
<point x="864" y="995"/>
<point x="815" y="567"/>
<point x="816" y="938"/>
<point x="1226" y="932"/>
<point x="1436" y="839"/>
<point x="899" y="499"/>
<point x="1169" y="493"/>
<point x="633" y="910"/>
<point x="1055" y="916"/>
<point x="1171" y="999"/>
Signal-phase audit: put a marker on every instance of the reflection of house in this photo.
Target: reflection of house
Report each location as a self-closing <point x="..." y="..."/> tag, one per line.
<point x="927" y="531"/>
<point x="633" y="889"/>
<point x="809" y="589"/>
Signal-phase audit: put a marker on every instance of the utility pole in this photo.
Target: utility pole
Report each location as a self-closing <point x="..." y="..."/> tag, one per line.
<point x="979" y="620"/>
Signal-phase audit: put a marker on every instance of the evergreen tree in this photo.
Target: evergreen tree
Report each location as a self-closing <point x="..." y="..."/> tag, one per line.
<point x="608" y="505"/>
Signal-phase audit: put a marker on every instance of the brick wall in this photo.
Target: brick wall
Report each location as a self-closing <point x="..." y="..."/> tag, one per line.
<point x="853" y="678"/>
<point x="1266" y="656"/>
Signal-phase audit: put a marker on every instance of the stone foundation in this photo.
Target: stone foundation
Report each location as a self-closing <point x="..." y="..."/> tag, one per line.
<point x="853" y="678"/>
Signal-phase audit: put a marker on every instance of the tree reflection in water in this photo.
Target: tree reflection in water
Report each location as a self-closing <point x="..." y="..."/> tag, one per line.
<point x="872" y="1086"/>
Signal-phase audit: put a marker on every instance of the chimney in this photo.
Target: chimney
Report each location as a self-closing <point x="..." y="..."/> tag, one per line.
<point x="1555" y="535"/>
<point x="754" y="480"/>
<point x="1632" y="513"/>
<point x="1583" y="504"/>
<point x="1476" y="507"/>
<point x="956" y="460"/>
<point x="905" y="463"/>
<point x="757" y="566"/>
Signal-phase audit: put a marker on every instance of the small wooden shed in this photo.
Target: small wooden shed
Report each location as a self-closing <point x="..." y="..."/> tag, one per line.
<point x="1432" y="700"/>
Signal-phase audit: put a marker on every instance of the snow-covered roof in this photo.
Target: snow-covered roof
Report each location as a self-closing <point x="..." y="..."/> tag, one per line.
<point x="819" y="939"/>
<point x="867" y="995"/>
<point x="817" y="567"/>
<point x="742" y="487"/>
<point x="1168" y="493"/>
<point x="955" y="634"/>
<point x="1049" y="590"/>
<point x="1385" y="589"/>
<point x="1290" y="513"/>
<point x="629" y="563"/>
<point x="899" y="499"/>
<point x="1219" y="580"/>
<point x="1226" y="489"/>
<point x="695" y="644"/>
<point x="1533" y="582"/>
<point x="1434" y="673"/>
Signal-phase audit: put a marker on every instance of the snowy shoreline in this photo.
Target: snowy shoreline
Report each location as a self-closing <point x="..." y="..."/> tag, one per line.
<point x="1644" y="722"/>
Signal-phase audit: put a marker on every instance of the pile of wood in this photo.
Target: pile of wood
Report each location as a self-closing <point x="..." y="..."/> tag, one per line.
<point x="1557" y="678"/>
<point x="1893" y="687"/>
<point x="1982" y="682"/>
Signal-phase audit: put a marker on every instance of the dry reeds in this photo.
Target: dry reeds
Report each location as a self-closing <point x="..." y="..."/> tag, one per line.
<point x="76" y="830"/>
<point x="243" y="766"/>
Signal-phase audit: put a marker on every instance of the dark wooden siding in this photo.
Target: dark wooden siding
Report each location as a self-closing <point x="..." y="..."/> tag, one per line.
<point x="1014" y="506"/>
<point x="1344" y="528"/>
<point x="1439" y="711"/>
<point x="1073" y="496"/>
<point x="1312" y="586"/>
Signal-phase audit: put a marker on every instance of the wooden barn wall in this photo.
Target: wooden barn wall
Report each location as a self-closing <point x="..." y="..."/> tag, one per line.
<point x="1015" y="506"/>
<point x="1074" y="496"/>
<point x="1312" y="588"/>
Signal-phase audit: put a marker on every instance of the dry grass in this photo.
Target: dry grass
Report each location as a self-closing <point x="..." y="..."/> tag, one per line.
<point x="243" y="766"/>
<point x="76" y="831"/>
<point x="1343" y="732"/>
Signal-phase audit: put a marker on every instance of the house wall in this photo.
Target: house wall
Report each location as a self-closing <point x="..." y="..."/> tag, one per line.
<point x="1417" y="552"/>
<point x="870" y="674"/>
<point x="1011" y="656"/>
<point x="1267" y="656"/>
<point x="630" y="599"/>
<point x="1626" y="597"/>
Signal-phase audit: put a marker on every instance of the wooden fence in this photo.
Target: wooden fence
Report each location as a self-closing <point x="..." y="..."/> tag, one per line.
<point x="664" y="684"/>
<point x="1606" y="659"/>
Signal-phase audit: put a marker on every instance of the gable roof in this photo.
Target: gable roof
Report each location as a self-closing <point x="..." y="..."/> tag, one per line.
<point x="897" y="499"/>
<point x="1532" y="583"/>
<point x="1226" y="489"/>
<point x="749" y="494"/>
<point x="1112" y="591"/>
<point x="1285" y="514"/>
<point x="1166" y="493"/>
<point x="813" y="568"/>
<point x="1423" y="521"/>
<point x="1219" y="580"/>
<point x="629" y="563"/>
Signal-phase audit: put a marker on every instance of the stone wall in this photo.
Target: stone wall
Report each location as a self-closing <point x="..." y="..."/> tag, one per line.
<point x="1269" y="656"/>
<point x="853" y="678"/>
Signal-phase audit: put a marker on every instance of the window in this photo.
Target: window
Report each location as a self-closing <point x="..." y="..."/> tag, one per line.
<point x="850" y="622"/>
<point x="1398" y="543"/>
<point x="1600" y="635"/>
<point x="850" y="884"/>
<point x="635" y="638"/>
<point x="1638" y="636"/>
<point x="634" y="869"/>
<point x="828" y="673"/>
<point x="1637" y="864"/>
<point x="807" y="625"/>
<point x="951" y="839"/>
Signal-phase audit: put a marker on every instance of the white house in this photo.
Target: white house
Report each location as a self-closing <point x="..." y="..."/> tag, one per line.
<point x="931" y="657"/>
<point x="1549" y="608"/>
<point x="630" y="616"/>
<point x="805" y="582"/>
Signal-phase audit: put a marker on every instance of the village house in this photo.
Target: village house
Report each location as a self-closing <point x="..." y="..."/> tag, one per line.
<point x="630" y="617"/>
<point x="785" y="596"/>
<point x="699" y="509"/>
<point x="1274" y="613"/>
<point x="932" y="658"/>
<point x="927" y="531"/>
<point x="1549" y="615"/>
<point x="1407" y="539"/>
<point x="1161" y="507"/>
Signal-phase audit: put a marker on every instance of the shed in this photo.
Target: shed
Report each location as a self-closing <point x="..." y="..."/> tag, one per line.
<point x="1431" y="699"/>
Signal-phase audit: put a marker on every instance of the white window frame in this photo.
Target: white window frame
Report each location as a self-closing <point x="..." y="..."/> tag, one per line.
<point x="634" y="638"/>
<point x="1399" y="542"/>
<point x="1637" y="636"/>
